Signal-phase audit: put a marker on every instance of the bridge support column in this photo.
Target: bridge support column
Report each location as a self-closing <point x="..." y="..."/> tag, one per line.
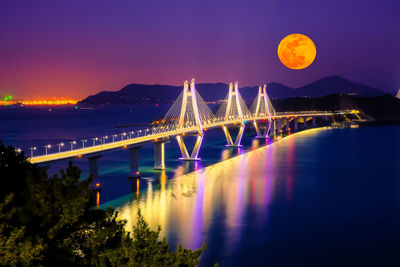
<point x="271" y="128"/>
<point x="314" y="121"/>
<point x="305" y="122"/>
<point x="287" y="128"/>
<point x="279" y="128"/>
<point x="227" y="136"/>
<point x="238" y="139"/>
<point x="259" y="135"/>
<point x="184" y="151"/>
<point x="296" y="123"/>
<point x="159" y="156"/>
<point x="134" y="162"/>
<point x="94" y="166"/>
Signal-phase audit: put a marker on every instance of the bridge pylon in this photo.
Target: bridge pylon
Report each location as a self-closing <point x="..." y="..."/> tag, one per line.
<point x="186" y="117"/>
<point x="233" y="111"/>
<point x="262" y="109"/>
<point x="189" y="109"/>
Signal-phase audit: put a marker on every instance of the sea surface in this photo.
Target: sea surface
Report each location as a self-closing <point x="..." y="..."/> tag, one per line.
<point x="321" y="197"/>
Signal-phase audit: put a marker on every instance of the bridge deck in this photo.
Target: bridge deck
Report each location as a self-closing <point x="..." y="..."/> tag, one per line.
<point x="167" y="134"/>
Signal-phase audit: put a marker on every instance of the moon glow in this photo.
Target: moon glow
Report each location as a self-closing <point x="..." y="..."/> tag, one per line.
<point x="297" y="51"/>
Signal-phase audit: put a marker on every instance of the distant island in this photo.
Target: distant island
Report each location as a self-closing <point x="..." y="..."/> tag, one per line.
<point x="142" y="93"/>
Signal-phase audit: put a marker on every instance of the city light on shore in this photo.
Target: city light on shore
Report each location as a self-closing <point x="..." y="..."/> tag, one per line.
<point x="6" y="101"/>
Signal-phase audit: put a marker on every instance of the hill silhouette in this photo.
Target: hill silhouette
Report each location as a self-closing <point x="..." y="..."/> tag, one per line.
<point x="384" y="109"/>
<point x="334" y="85"/>
<point x="142" y="93"/>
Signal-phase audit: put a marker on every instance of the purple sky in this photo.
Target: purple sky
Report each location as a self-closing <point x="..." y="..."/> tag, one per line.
<point x="75" y="48"/>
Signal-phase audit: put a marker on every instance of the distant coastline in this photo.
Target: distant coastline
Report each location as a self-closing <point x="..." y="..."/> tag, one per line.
<point x="211" y="92"/>
<point x="330" y="93"/>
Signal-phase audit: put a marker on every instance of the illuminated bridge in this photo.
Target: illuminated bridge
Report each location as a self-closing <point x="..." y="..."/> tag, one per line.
<point x="191" y="116"/>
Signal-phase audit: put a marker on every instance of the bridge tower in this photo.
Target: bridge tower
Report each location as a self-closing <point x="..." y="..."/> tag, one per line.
<point x="186" y="117"/>
<point x="233" y="111"/>
<point x="262" y="109"/>
<point x="189" y="105"/>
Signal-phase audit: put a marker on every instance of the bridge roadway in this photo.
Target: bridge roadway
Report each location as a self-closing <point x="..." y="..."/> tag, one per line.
<point x="159" y="136"/>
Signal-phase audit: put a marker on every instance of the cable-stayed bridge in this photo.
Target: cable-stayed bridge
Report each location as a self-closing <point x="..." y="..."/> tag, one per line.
<point x="191" y="116"/>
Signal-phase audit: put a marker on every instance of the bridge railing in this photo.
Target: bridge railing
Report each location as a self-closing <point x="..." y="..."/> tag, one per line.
<point x="102" y="143"/>
<point x="311" y="112"/>
<point x="171" y="130"/>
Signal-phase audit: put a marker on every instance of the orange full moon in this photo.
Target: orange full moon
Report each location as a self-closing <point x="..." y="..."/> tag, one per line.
<point x="297" y="51"/>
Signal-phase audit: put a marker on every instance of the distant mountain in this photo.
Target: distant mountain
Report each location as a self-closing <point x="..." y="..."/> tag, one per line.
<point x="134" y="93"/>
<point x="141" y="93"/>
<point x="334" y="85"/>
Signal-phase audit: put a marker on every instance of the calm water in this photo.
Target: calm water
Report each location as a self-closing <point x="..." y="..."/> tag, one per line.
<point x="322" y="197"/>
<point x="316" y="198"/>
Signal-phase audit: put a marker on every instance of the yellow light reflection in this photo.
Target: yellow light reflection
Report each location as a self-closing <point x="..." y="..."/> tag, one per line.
<point x="185" y="206"/>
<point x="98" y="199"/>
<point x="137" y="188"/>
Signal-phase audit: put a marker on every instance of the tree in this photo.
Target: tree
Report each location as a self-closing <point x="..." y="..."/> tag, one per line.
<point x="49" y="220"/>
<point x="15" y="247"/>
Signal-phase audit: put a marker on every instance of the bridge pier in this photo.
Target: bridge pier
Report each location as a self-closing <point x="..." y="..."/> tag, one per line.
<point x="134" y="162"/>
<point x="279" y="128"/>
<point x="195" y="152"/>
<point x="287" y="128"/>
<point x="305" y="122"/>
<point x="227" y="136"/>
<point x="159" y="155"/>
<point x="296" y="123"/>
<point x="314" y="121"/>
<point x="271" y="128"/>
<point x="238" y="139"/>
<point x="259" y="135"/>
<point x="94" y="166"/>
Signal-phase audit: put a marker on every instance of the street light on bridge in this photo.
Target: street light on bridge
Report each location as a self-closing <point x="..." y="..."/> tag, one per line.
<point x="72" y="144"/>
<point x="59" y="147"/>
<point x="83" y="142"/>
<point x="32" y="149"/>
<point x="47" y="147"/>
<point x="103" y="139"/>
<point x="94" y="140"/>
<point x="113" y="136"/>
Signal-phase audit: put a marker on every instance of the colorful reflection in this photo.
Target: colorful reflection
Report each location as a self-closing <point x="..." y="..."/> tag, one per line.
<point x="187" y="206"/>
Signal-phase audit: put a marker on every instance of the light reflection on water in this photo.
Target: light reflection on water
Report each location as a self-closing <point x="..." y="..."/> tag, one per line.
<point x="323" y="198"/>
<point x="187" y="205"/>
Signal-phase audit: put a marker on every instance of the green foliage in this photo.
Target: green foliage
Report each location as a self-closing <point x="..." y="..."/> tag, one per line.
<point x="14" y="247"/>
<point x="49" y="220"/>
<point x="147" y="250"/>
